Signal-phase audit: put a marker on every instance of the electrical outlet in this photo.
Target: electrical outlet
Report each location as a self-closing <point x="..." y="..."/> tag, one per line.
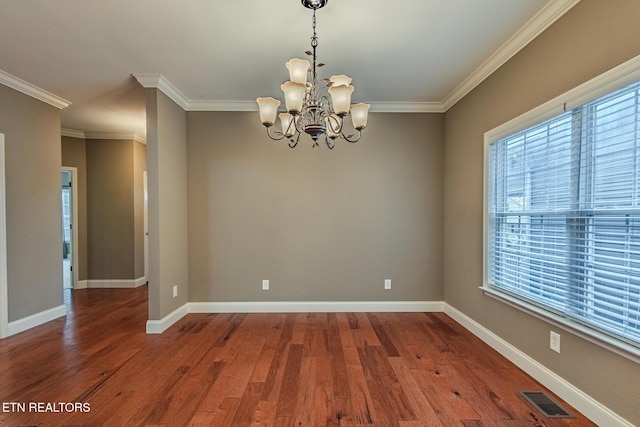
<point x="387" y="283"/>
<point x="175" y="291"/>
<point x="554" y="341"/>
<point x="265" y="285"/>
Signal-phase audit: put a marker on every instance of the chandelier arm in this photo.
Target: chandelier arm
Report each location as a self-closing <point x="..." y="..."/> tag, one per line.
<point x="330" y="142"/>
<point x="293" y="142"/>
<point x="335" y="124"/>
<point x="277" y="133"/>
<point x="299" y="119"/>
<point x="346" y="137"/>
<point x="292" y="124"/>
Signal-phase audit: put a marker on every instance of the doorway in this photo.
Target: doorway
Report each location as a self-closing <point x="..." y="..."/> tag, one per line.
<point x="69" y="221"/>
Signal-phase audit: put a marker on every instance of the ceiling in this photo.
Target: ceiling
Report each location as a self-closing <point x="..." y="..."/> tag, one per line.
<point x="409" y="55"/>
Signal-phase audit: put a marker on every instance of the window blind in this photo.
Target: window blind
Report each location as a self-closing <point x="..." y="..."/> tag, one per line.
<point x="564" y="214"/>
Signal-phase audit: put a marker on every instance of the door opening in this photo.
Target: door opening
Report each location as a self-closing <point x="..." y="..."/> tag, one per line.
<point x="69" y="220"/>
<point x="4" y="306"/>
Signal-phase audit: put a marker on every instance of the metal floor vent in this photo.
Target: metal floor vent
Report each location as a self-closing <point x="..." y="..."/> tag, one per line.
<point x="545" y="404"/>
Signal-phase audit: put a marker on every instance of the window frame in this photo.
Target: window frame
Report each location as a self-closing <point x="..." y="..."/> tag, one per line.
<point x="607" y="82"/>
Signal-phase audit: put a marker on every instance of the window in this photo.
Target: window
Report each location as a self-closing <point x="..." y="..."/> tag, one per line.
<point x="563" y="214"/>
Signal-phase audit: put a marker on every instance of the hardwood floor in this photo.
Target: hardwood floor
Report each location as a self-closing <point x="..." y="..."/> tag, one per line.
<point x="304" y="369"/>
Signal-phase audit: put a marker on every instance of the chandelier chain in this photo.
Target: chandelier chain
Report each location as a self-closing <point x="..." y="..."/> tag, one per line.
<point x="314" y="44"/>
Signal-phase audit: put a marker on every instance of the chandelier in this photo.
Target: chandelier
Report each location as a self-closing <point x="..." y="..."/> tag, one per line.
<point x="309" y="109"/>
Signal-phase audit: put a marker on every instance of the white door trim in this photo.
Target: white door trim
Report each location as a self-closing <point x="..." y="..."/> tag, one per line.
<point x="4" y="295"/>
<point x="145" y="185"/>
<point x="74" y="223"/>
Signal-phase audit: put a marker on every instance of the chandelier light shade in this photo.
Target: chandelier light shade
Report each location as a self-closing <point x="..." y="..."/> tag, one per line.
<point x="341" y="98"/>
<point x="293" y="96"/>
<point x="319" y="111"/>
<point x="268" y="110"/>
<point x="285" y="120"/>
<point x="298" y="69"/>
<point x="359" y="113"/>
<point x="340" y="80"/>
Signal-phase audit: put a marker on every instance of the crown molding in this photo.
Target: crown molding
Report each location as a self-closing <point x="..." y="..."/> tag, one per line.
<point x="129" y="136"/>
<point x="202" y="105"/>
<point x="158" y="81"/>
<point x="73" y="133"/>
<point x="407" y="107"/>
<point x="32" y="90"/>
<point x="536" y="25"/>
<point x="378" y="107"/>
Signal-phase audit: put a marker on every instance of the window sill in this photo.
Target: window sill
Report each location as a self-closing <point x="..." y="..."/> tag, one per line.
<point x="621" y="348"/>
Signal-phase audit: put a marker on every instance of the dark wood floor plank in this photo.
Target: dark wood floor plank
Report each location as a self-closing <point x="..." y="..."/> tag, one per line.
<point x="363" y="332"/>
<point x="265" y="414"/>
<point x="417" y="400"/>
<point x="305" y="407"/>
<point x="261" y="370"/>
<point x="248" y="405"/>
<point x="225" y="412"/>
<point x="382" y="333"/>
<point x="386" y="390"/>
<point x="288" y="397"/>
<point x="364" y="410"/>
<point x="336" y="350"/>
<point x="187" y="398"/>
<point x="276" y="370"/>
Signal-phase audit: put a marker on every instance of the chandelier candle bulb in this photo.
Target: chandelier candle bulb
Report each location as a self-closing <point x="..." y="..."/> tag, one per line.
<point x="268" y="109"/>
<point x="298" y="69"/>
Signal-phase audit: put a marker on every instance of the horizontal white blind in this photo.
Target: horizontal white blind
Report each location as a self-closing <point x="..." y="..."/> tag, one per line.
<point x="564" y="214"/>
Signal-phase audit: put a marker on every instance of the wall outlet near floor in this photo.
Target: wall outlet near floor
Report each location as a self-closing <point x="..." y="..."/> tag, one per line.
<point x="265" y="285"/>
<point x="387" y="283"/>
<point x="554" y="341"/>
<point x="175" y="291"/>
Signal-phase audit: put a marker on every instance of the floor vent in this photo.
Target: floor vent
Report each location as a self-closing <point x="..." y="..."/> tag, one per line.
<point x="545" y="404"/>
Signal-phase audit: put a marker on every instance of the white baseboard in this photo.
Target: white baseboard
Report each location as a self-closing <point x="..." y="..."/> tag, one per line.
<point x="159" y="326"/>
<point x="34" y="320"/>
<point x="314" y="306"/>
<point x="115" y="283"/>
<point x="82" y="284"/>
<point x="584" y="403"/>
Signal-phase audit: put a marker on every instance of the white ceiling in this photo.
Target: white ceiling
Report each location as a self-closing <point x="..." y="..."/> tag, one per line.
<point x="403" y="55"/>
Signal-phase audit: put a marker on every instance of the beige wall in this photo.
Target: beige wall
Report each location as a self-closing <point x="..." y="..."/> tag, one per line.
<point x="74" y="154"/>
<point x="590" y="39"/>
<point x="167" y="167"/>
<point x="34" y="241"/>
<point x="321" y="225"/>
<point x="110" y="205"/>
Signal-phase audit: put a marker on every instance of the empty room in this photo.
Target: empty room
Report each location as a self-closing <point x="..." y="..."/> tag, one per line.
<point x="313" y="212"/>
